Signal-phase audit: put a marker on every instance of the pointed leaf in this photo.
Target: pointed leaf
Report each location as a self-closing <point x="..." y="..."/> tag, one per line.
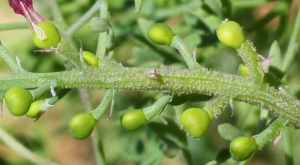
<point x="275" y="53"/>
<point x="228" y="131"/>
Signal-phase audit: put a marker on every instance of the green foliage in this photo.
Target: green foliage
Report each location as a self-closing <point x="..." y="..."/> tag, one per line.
<point x="159" y="82"/>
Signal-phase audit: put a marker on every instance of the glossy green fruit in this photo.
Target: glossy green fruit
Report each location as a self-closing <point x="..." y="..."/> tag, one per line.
<point x="133" y="119"/>
<point x="46" y="35"/>
<point x="161" y="34"/>
<point x="230" y="33"/>
<point x="242" y="148"/>
<point x="90" y="59"/>
<point x="18" y="100"/>
<point x="195" y="121"/>
<point x="81" y="125"/>
<point x="34" y="110"/>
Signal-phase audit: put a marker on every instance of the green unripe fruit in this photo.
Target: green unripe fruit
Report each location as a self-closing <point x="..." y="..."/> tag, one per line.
<point x="90" y="59"/>
<point x="242" y="148"/>
<point x="243" y="70"/>
<point x="195" y="121"/>
<point x="46" y="35"/>
<point x="34" y="110"/>
<point x="18" y="100"/>
<point x="81" y="125"/>
<point x="230" y="33"/>
<point x="161" y="34"/>
<point x="133" y="119"/>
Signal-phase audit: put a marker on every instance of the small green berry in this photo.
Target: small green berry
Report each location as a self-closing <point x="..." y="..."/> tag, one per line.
<point x="18" y="100"/>
<point x="82" y="125"/>
<point x="243" y="70"/>
<point x="133" y="119"/>
<point x="195" y="121"/>
<point x="230" y="33"/>
<point x="46" y="35"/>
<point x="242" y="148"/>
<point x="90" y="59"/>
<point x="161" y="34"/>
<point x="34" y="110"/>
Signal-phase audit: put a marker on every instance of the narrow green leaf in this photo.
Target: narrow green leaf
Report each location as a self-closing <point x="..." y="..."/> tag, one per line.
<point x="138" y="6"/>
<point x="228" y="131"/>
<point x="275" y="53"/>
<point x="98" y="25"/>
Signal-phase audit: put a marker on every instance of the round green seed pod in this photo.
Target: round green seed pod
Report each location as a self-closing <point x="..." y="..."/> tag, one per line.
<point x="230" y="33"/>
<point x="90" y="59"/>
<point x="34" y="110"/>
<point x="18" y="100"/>
<point x="242" y="148"/>
<point x="81" y="125"/>
<point x="243" y="70"/>
<point x="195" y="121"/>
<point x="160" y="34"/>
<point x="133" y="119"/>
<point x="46" y="35"/>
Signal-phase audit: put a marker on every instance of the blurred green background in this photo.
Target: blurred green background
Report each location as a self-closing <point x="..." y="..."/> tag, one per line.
<point x="193" y="20"/>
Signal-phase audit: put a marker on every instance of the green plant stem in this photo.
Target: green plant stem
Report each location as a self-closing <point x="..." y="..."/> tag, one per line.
<point x="217" y="105"/>
<point x="57" y="15"/>
<point x="13" y="26"/>
<point x="38" y="92"/>
<point x="164" y="13"/>
<point x="288" y="146"/>
<point x="250" y="57"/>
<point x="272" y="132"/>
<point x="23" y="151"/>
<point x="101" y="48"/>
<point x="69" y="52"/>
<point x="9" y="59"/>
<point x="169" y="81"/>
<point x="293" y="45"/>
<point x="157" y="107"/>
<point x="83" y="19"/>
<point x="180" y="45"/>
<point x="98" y="112"/>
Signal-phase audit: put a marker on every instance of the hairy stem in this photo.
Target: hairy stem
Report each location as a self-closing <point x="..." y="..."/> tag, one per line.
<point x="169" y="81"/>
